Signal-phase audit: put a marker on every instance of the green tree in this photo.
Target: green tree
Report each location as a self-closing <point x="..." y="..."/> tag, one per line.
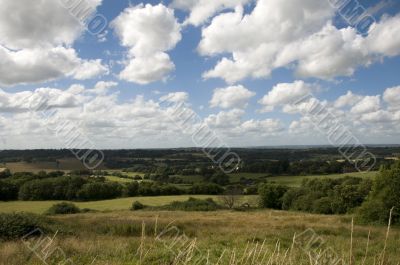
<point x="271" y="195"/>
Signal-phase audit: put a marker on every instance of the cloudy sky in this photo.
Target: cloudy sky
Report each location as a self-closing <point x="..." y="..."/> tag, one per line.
<point x="238" y="64"/>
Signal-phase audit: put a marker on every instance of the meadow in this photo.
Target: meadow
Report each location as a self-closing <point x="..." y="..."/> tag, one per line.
<point x="222" y="237"/>
<point x="40" y="207"/>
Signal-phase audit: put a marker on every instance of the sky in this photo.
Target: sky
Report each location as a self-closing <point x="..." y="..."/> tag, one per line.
<point x="95" y="73"/>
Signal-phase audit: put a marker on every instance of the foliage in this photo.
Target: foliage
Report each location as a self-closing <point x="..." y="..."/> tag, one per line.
<point x="271" y="195"/>
<point x="99" y="191"/>
<point x="5" y="174"/>
<point x="206" y="188"/>
<point x="63" y="208"/>
<point x="61" y="188"/>
<point x="327" y="196"/>
<point x="8" y="191"/>
<point x="17" y="225"/>
<point x="385" y="195"/>
<point x="193" y="204"/>
<point x="137" y="206"/>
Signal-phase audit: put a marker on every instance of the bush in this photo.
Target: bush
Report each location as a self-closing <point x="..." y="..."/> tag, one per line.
<point x="8" y="191"/>
<point x="137" y="206"/>
<point x="18" y="225"/>
<point x="271" y="195"/>
<point x="99" y="191"/>
<point x="206" y="189"/>
<point x="323" y="206"/>
<point x="193" y="204"/>
<point x="5" y="173"/>
<point x="61" y="188"/>
<point x="63" y="208"/>
<point x="132" y="189"/>
<point x="385" y="194"/>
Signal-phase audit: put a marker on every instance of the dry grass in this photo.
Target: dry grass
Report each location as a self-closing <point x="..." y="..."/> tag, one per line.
<point x="223" y="237"/>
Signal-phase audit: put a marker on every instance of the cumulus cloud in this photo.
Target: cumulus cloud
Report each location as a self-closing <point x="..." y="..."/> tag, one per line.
<point x="296" y="34"/>
<point x="284" y="94"/>
<point x="392" y="97"/>
<point x="38" y="65"/>
<point x="367" y="104"/>
<point x="231" y="97"/>
<point x="350" y="99"/>
<point x="176" y="97"/>
<point x="148" y="31"/>
<point x="35" y="43"/>
<point x="202" y="10"/>
<point x="230" y="123"/>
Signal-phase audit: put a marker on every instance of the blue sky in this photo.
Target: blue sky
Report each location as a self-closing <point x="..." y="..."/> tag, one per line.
<point x="368" y="70"/>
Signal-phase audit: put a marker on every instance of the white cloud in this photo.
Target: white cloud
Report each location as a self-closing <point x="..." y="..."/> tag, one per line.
<point x="39" y="65"/>
<point x="40" y="99"/>
<point x="382" y="38"/>
<point x="148" y="31"/>
<point x="285" y="93"/>
<point x="176" y="97"/>
<point x="89" y="69"/>
<point x="225" y="119"/>
<point x="296" y="34"/>
<point x="231" y="97"/>
<point x="350" y="99"/>
<point x="202" y="10"/>
<point x="366" y="105"/>
<point x="392" y="97"/>
<point x="148" y="69"/>
<point x="35" y="43"/>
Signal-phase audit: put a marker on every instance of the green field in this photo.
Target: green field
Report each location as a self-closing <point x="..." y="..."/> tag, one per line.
<point x="295" y="181"/>
<point x="107" y="205"/>
<point x="118" y="179"/>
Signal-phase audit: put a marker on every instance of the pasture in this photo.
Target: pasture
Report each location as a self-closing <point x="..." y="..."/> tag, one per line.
<point x="222" y="237"/>
<point x="40" y="207"/>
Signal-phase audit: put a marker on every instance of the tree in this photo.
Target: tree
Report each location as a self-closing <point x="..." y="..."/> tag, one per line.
<point x="271" y="195"/>
<point x="5" y="173"/>
<point x="385" y="194"/>
<point x="231" y="196"/>
<point x="8" y="191"/>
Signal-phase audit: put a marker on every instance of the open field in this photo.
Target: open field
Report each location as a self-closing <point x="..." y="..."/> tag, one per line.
<point x="295" y="181"/>
<point x="145" y="237"/>
<point x="108" y="205"/>
<point x="63" y="165"/>
<point x="118" y="179"/>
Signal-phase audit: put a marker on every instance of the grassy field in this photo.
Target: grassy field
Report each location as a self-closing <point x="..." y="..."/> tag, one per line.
<point x="108" y="205"/>
<point x="295" y="181"/>
<point x="118" y="179"/>
<point x="222" y="237"/>
<point x="64" y="165"/>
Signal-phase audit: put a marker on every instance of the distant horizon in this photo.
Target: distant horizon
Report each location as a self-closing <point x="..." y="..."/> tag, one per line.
<point x="231" y="147"/>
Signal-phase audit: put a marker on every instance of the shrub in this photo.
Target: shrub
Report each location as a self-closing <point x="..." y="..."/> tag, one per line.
<point x="323" y="206"/>
<point x="63" y="208"/>
<point x="61" y="188"/>
<point x="137" y="206"/>
<point x="206" y="189"/>
<point x="132" y="189"/>
<point x="271" y="195"/>
<point x="8" y="191"/>
<point x="5" y="173"/>
<point x="385" y="194"/>
<point x="18" y="225"/>
<point x="99" y="191"/>
<point x="193" y="204"/>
